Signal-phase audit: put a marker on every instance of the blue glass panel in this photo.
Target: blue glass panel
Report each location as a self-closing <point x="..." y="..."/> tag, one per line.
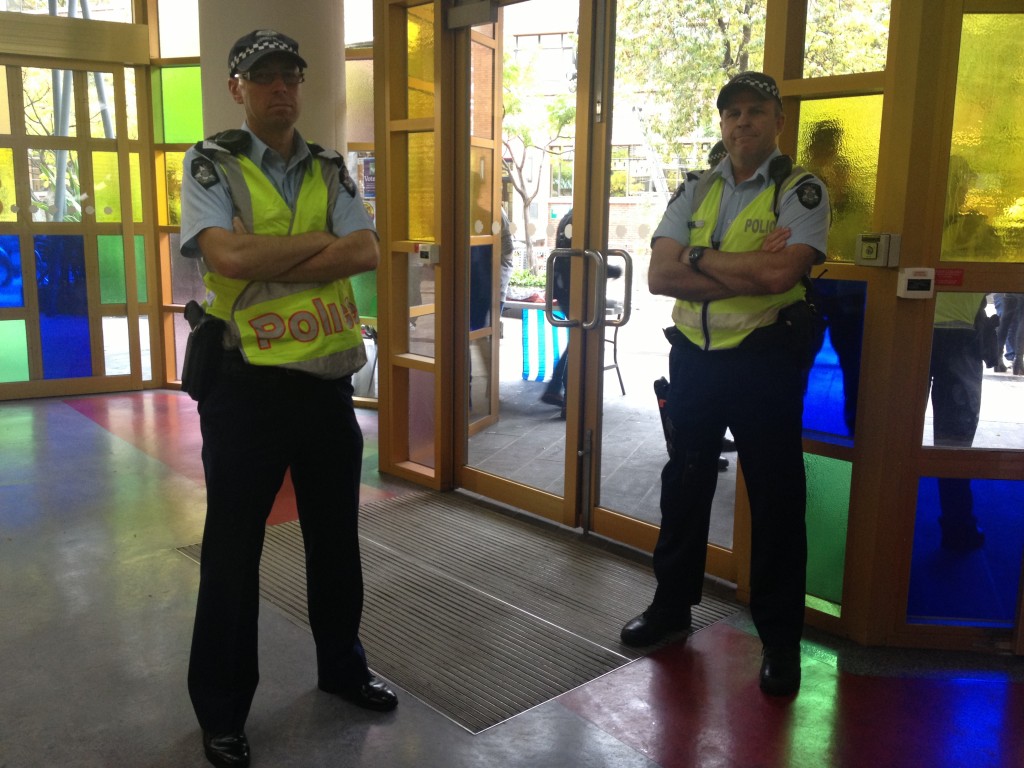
<point x="63" y="306"/>
<point x="830" y="404"/>
<point x="968" y="548"/>
<point x="11" y="283"/>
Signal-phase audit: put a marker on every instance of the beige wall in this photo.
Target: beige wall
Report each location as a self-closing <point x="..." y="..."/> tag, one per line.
<point x="315" y="24"/>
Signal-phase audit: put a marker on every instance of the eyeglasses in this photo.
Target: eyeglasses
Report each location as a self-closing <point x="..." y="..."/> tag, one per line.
<point x="268" y="76"/>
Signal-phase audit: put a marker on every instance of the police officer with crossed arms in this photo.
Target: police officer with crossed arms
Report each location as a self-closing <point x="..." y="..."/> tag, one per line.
<point x="280" y="229"/>
<point x="734" y="249"/>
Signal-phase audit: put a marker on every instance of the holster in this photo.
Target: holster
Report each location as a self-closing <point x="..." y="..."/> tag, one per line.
<point x="203" y="351"/>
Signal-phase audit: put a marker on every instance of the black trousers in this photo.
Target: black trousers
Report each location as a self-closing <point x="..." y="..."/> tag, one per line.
<point x="258" y="422"/>
<point x="756" y="390"/>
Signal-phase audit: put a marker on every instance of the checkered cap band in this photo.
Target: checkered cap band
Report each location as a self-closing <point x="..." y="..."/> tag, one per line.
<point x="254" y="46"/>
<point x="757" y="81"/>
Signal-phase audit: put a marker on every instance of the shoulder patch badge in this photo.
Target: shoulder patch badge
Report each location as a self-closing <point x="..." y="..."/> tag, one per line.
<point x="346" y="180"/>
<point x="809" y="194"/>
<point x="203" y="172"/>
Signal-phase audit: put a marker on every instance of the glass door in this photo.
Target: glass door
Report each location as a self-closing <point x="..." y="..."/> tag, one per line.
<point x="526" y="383"/>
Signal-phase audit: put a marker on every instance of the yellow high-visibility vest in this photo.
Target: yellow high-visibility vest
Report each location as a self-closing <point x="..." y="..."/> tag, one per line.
<point x="311" y="327"/>
<point x="724" y="323"/>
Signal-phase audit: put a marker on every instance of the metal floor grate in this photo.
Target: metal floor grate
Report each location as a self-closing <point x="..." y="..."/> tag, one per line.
<point x="478" y="613"/>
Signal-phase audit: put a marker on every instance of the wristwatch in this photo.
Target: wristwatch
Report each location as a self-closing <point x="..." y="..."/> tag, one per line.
<point x="696" y="254"/>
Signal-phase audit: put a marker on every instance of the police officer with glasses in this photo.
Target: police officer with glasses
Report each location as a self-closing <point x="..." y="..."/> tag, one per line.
<point x="280" y="228"/>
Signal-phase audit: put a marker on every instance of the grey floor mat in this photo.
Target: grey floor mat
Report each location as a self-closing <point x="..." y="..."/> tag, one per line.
<point x="480" y="614"/>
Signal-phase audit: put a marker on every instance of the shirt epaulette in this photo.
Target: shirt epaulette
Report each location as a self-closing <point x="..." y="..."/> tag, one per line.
<point x="235" y="141"/>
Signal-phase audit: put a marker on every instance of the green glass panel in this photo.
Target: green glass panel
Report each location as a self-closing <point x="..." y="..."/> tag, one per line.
<point x="56" y="190"/>
<point x="140" y="269"/>
<point x="49" y="101"/>
<point x="5" y="108"/>
<point x="102" y="102"/>
<point x="13" y="351"/>
<point x="106" y="177"/>
<point x="112" y="274"/>
<point x="986" y="178"/>
<point x="156" y="84"/>
<point x="182" y="105"/>
<point x="828" y="508"/>
<point x="8" y="197"/>
<point x="421" y="186"/>
<point x="131" y="98"/>
<point x="846" y="38"/>
<point x="420" y="32"/>
<point x="838" y="141"/>
<point x="364" y="286"/>
<point x="179" y="28"/>
<point x="173" y="162"/>
<point x="135" y="174"/>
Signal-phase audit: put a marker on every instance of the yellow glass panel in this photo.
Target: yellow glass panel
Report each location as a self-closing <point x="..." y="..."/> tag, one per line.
<point x="49" y="101"/>
<point x="985" y="197"/>
<point x="173" y="163"/>
<point x="5" y="108"/>
<point x="107" y="195"/>
<point x="421" y="186"/>
<point x="131" y="103"/>
<point x="102" y="106"/>
<point x="359" y="101"/>
<point x="420" y="31"/>
<point x="846" y="38"/>
<point x="8" y="199"/>
<point x="838" y="142"/>
<point x="481" y="104"/>
<point x="135" y="169"/>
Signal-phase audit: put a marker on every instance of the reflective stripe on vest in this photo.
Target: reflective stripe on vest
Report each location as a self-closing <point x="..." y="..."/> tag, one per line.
<point x="311" y="327"/>
<point x="724" y="323"/>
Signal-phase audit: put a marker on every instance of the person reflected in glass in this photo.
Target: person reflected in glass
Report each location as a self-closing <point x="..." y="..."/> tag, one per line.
<point x="1009" y="307"/>
<point x="841" y="302"/>
<point x="957" y="365"/>
<point x="554" y="392"/>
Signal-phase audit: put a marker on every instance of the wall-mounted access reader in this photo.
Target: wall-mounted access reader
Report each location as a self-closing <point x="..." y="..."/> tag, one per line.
<point x="877" y="249"/>
<point x="916" y="283"/>
<point x="429" y="253"/>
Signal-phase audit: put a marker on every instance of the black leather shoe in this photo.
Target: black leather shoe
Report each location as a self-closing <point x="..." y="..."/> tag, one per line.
<point x="373" y="694"/>
<point x="226" y="750"/>
<point x="780" y="671"/>
<point x="652" y="626"/>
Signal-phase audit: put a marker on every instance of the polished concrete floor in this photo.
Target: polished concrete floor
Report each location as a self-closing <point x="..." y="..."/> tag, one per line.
<point x="97" y="494"/>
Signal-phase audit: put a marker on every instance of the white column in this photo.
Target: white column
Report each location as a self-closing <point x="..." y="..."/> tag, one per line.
<point x="317" y="26"/>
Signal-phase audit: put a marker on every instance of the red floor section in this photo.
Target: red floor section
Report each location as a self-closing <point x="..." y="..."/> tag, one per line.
<point x="698" y="704"/>
<point x="165" y="425"/>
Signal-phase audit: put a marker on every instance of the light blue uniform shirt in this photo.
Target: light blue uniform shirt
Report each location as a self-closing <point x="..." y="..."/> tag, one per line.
<point x="202" y="208"/>
<point x="809" y="225"/>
